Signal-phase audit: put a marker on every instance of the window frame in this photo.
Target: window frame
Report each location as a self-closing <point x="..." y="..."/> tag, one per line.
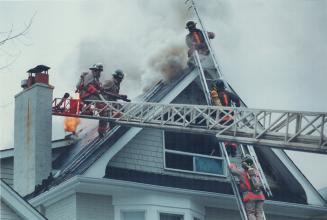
<point x="224" y="163"/>
<point x="170" y="213"/>
<point x="132" y="210"/>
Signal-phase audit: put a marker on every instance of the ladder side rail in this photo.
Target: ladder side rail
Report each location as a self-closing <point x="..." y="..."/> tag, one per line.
<point x="202" y="77"/>
<point x="262" y="176"/>
<point x="236" y="191"/>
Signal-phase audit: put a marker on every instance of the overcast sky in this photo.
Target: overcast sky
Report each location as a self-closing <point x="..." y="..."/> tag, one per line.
<point x="273" y="53"/>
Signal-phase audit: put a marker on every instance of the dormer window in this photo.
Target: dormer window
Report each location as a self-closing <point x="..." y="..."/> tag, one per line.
<point x="193" y="153"/>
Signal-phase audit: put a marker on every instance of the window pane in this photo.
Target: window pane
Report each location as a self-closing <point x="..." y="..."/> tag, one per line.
<point x="192" y="143"/>
<point x="208" y="165"/>
<point x="178" y="161"/>
<point x="133" y="215"/>
<point x="166" y="216"/>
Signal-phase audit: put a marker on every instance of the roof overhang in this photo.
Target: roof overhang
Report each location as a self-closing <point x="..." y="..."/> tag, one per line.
<point x="118" y="188"/>
<point x="55" y="144"/>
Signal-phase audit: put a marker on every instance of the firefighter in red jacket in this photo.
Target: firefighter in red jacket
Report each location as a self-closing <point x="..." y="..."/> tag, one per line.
<point x="250" y="185"/>
<point x="195" y="39"/>
<point x="89" y="87"/>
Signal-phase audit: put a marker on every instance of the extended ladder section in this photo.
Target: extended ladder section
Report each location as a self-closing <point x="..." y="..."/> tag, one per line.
<point x="204" y="81"/>
<point x="299" y="131"/>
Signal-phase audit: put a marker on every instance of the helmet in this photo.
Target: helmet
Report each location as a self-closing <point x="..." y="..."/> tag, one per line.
<point x="118" y="74"/>
<point x="220" y="84"/>
<point x="97" y="66"/>
<point x="248" y="160"/>
<point x="190" y="24"/>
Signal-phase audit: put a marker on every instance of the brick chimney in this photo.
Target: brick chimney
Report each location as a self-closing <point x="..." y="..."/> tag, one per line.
<point x="33" y="130"/>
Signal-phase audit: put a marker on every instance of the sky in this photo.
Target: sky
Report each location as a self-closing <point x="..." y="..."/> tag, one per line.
<point x="273" y="53"/>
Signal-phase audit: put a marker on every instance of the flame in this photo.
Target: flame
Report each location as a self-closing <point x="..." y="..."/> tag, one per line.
<point x="71" y="123"/>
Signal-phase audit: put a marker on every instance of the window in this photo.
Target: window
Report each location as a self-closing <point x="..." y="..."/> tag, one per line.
<point x="167" y="216"/>
<point x="193" y="153"/>
<point x="133" y="215"/>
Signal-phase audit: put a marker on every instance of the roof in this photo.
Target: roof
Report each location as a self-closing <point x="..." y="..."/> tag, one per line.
<point x="56" y="144"/>
<point x="295" y="188"/>
<point x="323" y="193"/>
<point x="18" y="204"/>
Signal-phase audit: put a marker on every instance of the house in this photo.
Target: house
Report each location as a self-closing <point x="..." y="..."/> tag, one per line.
<point x="136" y="173"/>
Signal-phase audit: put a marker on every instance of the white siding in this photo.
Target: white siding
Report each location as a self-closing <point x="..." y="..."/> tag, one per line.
<point x="64" y="209"/>
<point x="95" y="207"/>
<point x="6" y="213"/>
<point x="7" y="170"/>
<point x="145" y="153"/>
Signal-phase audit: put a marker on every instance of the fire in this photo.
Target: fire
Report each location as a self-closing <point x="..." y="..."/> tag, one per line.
<point x="71" y="123"/>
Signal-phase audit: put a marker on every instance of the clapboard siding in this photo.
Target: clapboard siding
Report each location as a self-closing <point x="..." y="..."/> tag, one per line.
<point x="145" y="153"/>
<point x="7" y="170"/>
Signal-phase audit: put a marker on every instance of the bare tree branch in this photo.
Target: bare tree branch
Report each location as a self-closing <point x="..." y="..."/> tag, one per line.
<point x="10" y="35"/>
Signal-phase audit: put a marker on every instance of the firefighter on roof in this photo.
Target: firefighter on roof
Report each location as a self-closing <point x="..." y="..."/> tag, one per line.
<point x="89" y="87"/>
<point x="110" y="91"/>
<point x="111" y="87"/>
<point x="250" y="186"/>
<point x="195" y="39"/>
<point x="89" y="84"/>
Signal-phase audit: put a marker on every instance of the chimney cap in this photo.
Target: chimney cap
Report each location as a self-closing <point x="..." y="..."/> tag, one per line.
<point x="38" y="69"/>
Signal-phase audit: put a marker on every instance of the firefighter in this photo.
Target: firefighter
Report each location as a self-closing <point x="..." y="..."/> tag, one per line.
<point x="195" y="39"/>
<point x="111" y="87"/>
<point x="110" y="91"/>
<point x="89" y="84"/>
<point x="214" y="96"/>
<point x="89" y="87"/>
<point x="231" y="148"/>
<point x="250" y="185"/>
<point x="226" y="98"/>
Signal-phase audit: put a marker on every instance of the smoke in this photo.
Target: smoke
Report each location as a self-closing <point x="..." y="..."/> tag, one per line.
<point x="167" y="64"/>
<point x="136" y="37"/>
